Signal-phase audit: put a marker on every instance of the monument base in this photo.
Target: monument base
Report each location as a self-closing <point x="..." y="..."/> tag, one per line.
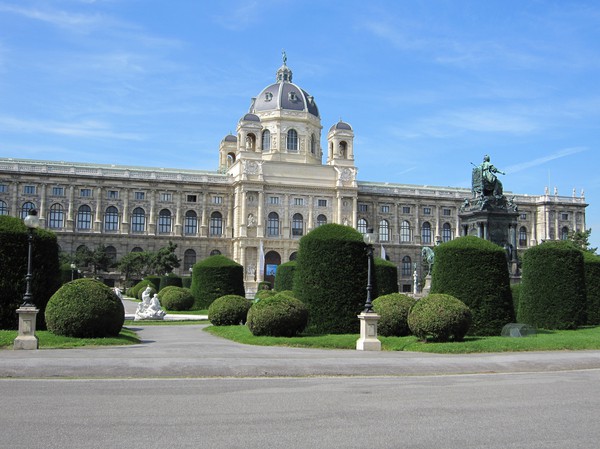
<point x="368" y="340"/>
<point x="26" y="339"/>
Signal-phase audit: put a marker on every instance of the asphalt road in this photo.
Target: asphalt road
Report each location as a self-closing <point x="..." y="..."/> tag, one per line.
<point x="523" y="410"/>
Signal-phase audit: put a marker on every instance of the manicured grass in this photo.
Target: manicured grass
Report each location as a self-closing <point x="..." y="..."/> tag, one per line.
<point x="132" y="323"/>
<point x="584" y="338"/>
<point x="188" y="312"/>
<point x="49" y="340"/>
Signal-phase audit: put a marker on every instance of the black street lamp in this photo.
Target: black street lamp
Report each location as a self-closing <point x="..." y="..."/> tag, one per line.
<point x="32" y="222"/>
<point x="369" y="238"/>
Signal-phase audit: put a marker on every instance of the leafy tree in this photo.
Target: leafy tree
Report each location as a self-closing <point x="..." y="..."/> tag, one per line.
<point x="135" y="265"/>
<point x="581" y="239"/>
<point x="165" y="259"/>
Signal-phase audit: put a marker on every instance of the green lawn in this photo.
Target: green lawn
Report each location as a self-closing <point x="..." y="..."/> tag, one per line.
<point x="584" y="338"/>
<point x="49" y="340"/>
<point x="132" y="323"/>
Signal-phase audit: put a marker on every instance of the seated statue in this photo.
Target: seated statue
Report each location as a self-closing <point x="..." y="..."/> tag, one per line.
<point x="485" y="183"/>
<point x="149" y="308"/>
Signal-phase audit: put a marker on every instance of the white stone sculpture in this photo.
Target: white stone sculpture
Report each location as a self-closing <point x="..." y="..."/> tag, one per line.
<point x="119" y="293"/>
<point x="149" y="308"/>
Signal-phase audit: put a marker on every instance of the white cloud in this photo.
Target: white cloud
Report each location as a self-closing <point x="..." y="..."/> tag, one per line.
<point x="542" y="160"/>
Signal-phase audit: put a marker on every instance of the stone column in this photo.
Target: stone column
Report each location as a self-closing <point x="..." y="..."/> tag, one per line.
<point x="311" y="205"/>
<point x="98" y="211"/>
<point x="42" y="209"/>
<point x="151" y="219"/>
<point x="26" y="339"/>
<point x="368" y="340"/>
<point x="203" y="218"/>
<point x="178" y="227"/>
<point x="14" y="209"/>
<point x="260" y="220"/>
<point x="70" y="212"/>
<point x="125" y="213"/>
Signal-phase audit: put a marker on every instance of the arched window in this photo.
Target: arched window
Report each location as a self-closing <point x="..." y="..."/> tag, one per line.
<point x="406" y="266"/>
<point x="251" y="142"/>
<point x="84" y="217"/>
<point x="164" y="221"/>
<point x="523" y="236"/>
<point x="362" y="225"/>
<point x="190" y="224"/>
<point x="189" y="259"/>
<point x="111" y="219"/>
<point x="273" y="224"/>
<point x="426" y="233"/>
<point x="215" y="252"/>
<point x="405" y="231"/>
<point x="564" y="233"/>
<point x="138" y="220"/>
<point x="297" y="224"/>
<point x="343" y="150"/>
<point x="266" y="141"/>
<point x="216" y="223"/>
<point x="25" y="208"/>
<point x="313" y="144"/>
<point x="384" y="231"/>
<point x="137" y="249"/>
<point x="292" y="140"/>
<point x="293" y="256"/>
<point x="321" y="220"/>
<point x="56" y="217"/>
<point x="230" y="159"/>
<point x="3" y="208"/>
<point x="111" y="253"/>
<point x="446" y="232"/>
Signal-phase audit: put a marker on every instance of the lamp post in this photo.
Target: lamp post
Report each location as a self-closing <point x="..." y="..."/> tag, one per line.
<point x="73" y="268"/>
<point x="26" y="339"/>
<point x="369" y="238"/>
<point x="368" y="340"/>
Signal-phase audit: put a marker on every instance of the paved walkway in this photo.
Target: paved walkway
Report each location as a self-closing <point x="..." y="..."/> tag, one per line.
<point x="188" y="351"/>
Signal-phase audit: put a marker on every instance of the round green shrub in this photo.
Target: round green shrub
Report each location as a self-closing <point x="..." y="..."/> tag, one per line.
<point x="170" y="280"/>
<point x="262" y="294"/>
<point x="553" y="286"/>
<point x="284" y="278"/>
<point x="393" y="309"/>
<point x="591" y="264"/>
<point x="229" y="310"/>
<point x="142" y="290"/>
<point x="13" y="269"/>
<point x="475" y="271"/>
<point x="85" y="308"/>
<point x="386" y="278"/>
<point x="439" y="317"/>
<point x="331" y="278"/>
<point x="278" y="316"/>
<point x="141" y="285"/>
<point x="214" y="277"/>
<point x="176" y="298"/>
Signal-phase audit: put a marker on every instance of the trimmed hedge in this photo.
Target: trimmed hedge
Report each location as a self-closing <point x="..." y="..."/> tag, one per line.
<point x="553" y="286"/>
<point x="176" y="298"/>
<point x="262" y="294"/>
<point x="13" y="269"/>
<point x="475" y="271"/>
<point x="140" y="286"/>
<point x="278" y="316"/>
<point x="331" y="278"/>
<point x="214" y="277"/>
<point x="393" y="309"/>
<point x="515" y="290"/>
<point x="386" y="278"/>
<point x="284" y="278"/>
<point x="155" y="281"/>
<point x="186" y="282"/>
<point x="439" y="317"/>
<point x="85" y="308"/>
<point x="591" y="264"/>
<point x="170" y="280"/>
<point x="229" y="310"/>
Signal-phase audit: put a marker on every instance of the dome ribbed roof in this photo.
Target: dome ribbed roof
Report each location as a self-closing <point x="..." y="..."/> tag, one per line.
<point x="341" y="125"/>
<point x="251" y="118"/>
<point x="230" y="138"/>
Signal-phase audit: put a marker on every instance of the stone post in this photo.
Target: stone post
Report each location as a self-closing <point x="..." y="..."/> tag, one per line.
<point x="368" y="340"/>
<point x="26" y="339"/>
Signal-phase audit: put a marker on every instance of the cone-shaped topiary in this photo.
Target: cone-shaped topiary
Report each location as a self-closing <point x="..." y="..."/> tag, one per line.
<point x="553" y="286"/>
<point x="284" y="278"/>
<point x="85" y="308"/>
<point x="13" y="269"/>
<point x="331" y="278"/>
<point x="214" y="277"/>
<point x="278" y="316"/>
<point x="439" y="317"/>
<point x="176" y="298"/>
<point x="393" y="309"/>
<point x="475" y="271"/>
<point x="229" y="310"/>
<point x="386" y="277"/>
<point x="591" y="264"/>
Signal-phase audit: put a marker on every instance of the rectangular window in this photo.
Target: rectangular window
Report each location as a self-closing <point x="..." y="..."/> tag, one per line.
<point x="406" y="209"/>
<point x="363" y="208"/>
<point x="385" y="209"/>
<point x="85" y="193"/>
<point x="322" y="203"/>
<point x="298" y="201"/>
<point x="58" y="191"/>
<point x="564" y="216"/>
<point x="139" y="195"/>
<point x="427" y="211"/>
<point x="447" y="212"/>
<point x="523" y="216"/>
<point x="217" y="200"/>
<point x="29" y="190"/>
<point x="192" y="198"/>
<point x="273" y="200"/>
<point x="113" y="194"/>
<point x="166" y="197"/>
<point x="3" y="188"/>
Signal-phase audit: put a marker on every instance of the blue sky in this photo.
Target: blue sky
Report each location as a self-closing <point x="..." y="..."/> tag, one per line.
<point x="428" y="86"/>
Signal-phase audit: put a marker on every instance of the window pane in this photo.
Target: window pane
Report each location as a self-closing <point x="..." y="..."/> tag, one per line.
<point x="111" y="219"/>
<point x="273" y="224"/>
<point x="84" y="217"/>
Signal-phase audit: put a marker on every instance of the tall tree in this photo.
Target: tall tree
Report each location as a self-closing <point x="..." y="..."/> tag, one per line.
<point x="581" y="239"/>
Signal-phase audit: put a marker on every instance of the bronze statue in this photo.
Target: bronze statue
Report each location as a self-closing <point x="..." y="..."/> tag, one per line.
<point x="485" y="183"/>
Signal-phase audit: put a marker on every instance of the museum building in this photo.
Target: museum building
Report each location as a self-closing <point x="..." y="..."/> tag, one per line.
<point x="272" y="187"/>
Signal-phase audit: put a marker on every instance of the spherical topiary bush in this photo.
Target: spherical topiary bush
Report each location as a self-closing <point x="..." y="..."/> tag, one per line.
<point x="176" y="298"/>
<point x="142" y="290"/>
<point x="228" y="310"/>
<point x="284" y="278"/>
<point x="439" y="317"/>
<point x="393" y="309"/>
<point x="278" y="316"/>
<point x="140" y="286"/>
<point x="262" y="294"/>
<point x="85" y="308"/>
<point x="214" y="277"/>
<point x="386" y="278"/>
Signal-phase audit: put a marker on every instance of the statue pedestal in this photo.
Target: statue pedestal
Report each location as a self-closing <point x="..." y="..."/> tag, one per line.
<point x="368" y="340"/>
<point x="26" y="339"/>
<point x="427" y="286"/>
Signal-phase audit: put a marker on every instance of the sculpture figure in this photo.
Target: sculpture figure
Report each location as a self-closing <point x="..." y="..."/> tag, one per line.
<point x="485" y="183"/>
<point x="149" y="308"/>
<point x="429" y="257"/>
